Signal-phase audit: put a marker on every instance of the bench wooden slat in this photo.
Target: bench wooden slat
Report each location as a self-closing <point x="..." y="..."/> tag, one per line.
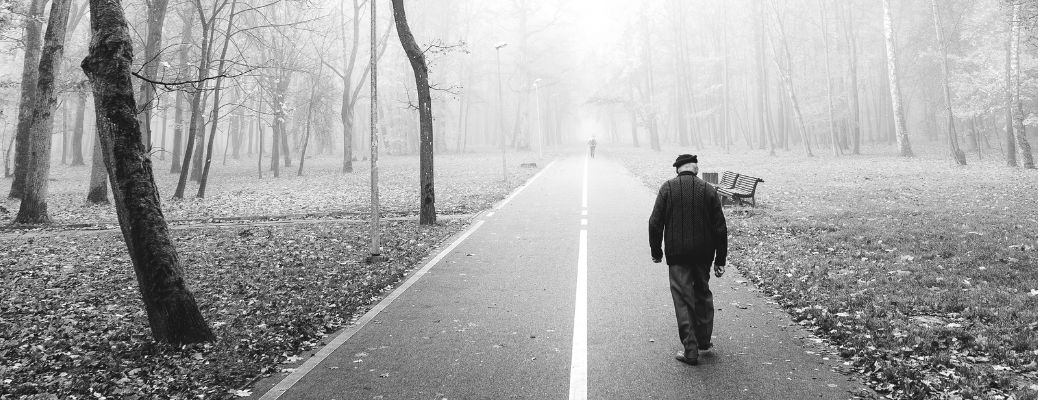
<point x="728" y="180"/>
<point x="744" y="187"/>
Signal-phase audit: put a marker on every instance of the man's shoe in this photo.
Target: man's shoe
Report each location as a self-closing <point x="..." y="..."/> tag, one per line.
<point x="705" y="347"/>
<point x="692" y="359"/>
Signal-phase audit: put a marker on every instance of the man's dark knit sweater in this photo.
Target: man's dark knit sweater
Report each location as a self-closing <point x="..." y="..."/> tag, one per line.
<point x="687" y="219"/>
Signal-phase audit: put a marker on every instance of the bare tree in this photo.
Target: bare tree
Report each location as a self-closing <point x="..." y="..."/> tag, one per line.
<point x="33" y="208"/>
<point x="828" y="77"/>
<point x="1026" y="158"/>
<point x="215" y="116"/>
<point x="787" y="81"/>
<point x="953" y="139"/>
<point x="173" y="315"/>
<point x="427" y="196"/>
<point x="904" y="147"/>
<point x="152" y="59"/>
<point x="32" y="39"/>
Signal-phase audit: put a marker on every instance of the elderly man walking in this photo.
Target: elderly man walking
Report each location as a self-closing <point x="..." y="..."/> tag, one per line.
<point x="688" y="222"/>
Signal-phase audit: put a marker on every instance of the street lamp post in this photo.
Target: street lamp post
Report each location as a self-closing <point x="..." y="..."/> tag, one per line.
<point x="376" y="245"/>
<point x="501" y="111"/>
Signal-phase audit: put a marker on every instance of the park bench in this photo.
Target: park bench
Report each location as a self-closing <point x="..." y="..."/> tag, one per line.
<point x="728" y="180"/>
<point x="744" y="187"/>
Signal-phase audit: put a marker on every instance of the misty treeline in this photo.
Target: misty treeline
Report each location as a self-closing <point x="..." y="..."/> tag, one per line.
<point x="828" y="77"/>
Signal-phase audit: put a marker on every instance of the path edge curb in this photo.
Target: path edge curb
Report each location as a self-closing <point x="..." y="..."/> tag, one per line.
<point x="340" y="338"/>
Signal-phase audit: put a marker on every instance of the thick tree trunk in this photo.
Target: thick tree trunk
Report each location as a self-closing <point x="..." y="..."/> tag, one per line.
<point x="98" y="192"/>
<point x="33" y="208"/>
<point x="33" y="40"/>
<point x="953" y="138"/>
<point x="903" y="145"/>
<point x="77" y="133"/>
<point x="427" y="195"/>
<point x="173" y="315"/>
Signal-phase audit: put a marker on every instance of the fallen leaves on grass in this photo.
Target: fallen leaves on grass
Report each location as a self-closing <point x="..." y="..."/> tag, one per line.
<point x="466" y="183"/>
<point x="72" y="323"/>
<point x="922" y="278"/>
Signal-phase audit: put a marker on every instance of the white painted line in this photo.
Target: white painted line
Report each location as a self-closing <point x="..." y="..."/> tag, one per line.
<point x="583" y="201"/>
<point x="583" y="221"/>
<point x="490" y="214"/>
<point x="578" y="367"/>
<point x="583" y="212"/>
<point x="523" y="186"/>
<point x="347" y="333"/>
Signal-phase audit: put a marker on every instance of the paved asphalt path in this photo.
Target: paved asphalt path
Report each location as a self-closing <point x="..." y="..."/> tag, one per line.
<point x="495" y="317"/>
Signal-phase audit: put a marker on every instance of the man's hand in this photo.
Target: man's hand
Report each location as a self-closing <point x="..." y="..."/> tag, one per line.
<point x="718" y="270"/>
<point x="657" y="260"/>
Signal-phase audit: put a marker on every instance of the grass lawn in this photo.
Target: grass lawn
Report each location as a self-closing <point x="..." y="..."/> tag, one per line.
<point x="923" y="273"/>
<point x="465" y="183"/>
<point x="71" y="320"/>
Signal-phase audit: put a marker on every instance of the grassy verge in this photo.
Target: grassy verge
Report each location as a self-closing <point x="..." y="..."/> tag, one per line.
<point x="71" y="320"/>
<point x="466" y="183"/>
<point x="921" y="272"/>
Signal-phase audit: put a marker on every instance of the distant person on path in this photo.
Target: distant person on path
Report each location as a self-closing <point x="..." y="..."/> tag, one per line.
<point x="688" y="222"/>
<point x="591" y="144"/>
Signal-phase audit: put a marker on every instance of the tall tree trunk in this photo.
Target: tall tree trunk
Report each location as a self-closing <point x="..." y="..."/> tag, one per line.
<point x="33" y="208"/>
<point x="828" y="78"/>
<point x="275" y="143"/>
<point x="1026" y="158"/>
<point x="787" y="80"/>
<point x="173" y="315"/>
<point x="634" y="126"/>
<point x="903" y="145"/>
<point x="650" y="92"/>
<point x="195" y="118"/>
<point x="64" y="132"/>
<point x="852" y="90"/>
<point x="259" y="137"/>
<point x="152" y="60"/>
<point x="178" y="114"/>
<point x="309" y="115"/>
<point x="763" y="103"/>
<point x="726" y="130"/>
<point x="165" y="125"/>
<point x="415" y="55"/>
<point x="1010" y="139"/>
<point x="214" y="118"/>
<point x="33" y="40"/>
<point x="98" y="192"/>
<point x="178" y="133"/>
<point x="953" y="139"/>
<point x="77" y="133"/>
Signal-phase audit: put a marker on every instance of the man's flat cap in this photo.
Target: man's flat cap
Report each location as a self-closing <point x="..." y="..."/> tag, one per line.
<point x="685" y="159"/>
